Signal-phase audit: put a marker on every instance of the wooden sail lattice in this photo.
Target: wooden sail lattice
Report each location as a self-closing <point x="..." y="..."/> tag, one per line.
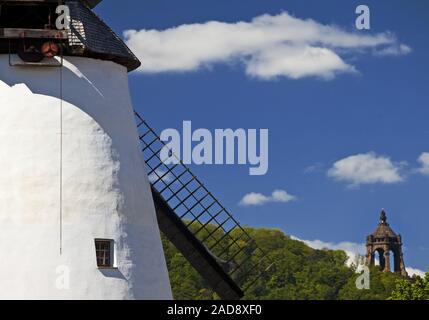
<point x="209" y="222"/>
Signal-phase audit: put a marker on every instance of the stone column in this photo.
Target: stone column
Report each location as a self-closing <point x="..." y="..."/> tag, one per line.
<point x="402" y="264"/>
<point x="386" y="261"/>
<point x="369" y="256"/>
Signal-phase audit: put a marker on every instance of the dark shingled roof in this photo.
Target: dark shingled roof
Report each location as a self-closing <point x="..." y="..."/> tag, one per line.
<point x="91" y="37"/>
<point x="92" y="3"/>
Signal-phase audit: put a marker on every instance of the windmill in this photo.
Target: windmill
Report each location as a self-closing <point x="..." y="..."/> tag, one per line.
<point x="76" y="202"/>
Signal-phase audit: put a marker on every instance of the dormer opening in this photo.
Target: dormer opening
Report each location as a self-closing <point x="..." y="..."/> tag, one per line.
<point x="28" y="15"/>
<point x="27" y="25"/>
<point x="28" y="29"/>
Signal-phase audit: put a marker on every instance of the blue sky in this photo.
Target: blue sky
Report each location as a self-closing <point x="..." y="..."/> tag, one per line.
<point x="373" y="101"/>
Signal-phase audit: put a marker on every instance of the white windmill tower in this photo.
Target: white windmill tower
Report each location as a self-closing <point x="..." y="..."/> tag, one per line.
<point x="79" y="218"/>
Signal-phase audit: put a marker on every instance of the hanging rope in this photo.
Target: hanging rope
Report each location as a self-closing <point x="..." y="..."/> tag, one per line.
<point x="61" y="161"/>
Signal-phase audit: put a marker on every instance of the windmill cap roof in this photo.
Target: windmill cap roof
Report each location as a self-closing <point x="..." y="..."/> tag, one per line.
<point x="89" y="3"/>
<point x="97" y="38"/>
<point x="92" y="3"/>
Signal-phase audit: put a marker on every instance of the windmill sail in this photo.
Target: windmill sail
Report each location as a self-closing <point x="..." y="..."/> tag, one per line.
<point x="207" y="235"/>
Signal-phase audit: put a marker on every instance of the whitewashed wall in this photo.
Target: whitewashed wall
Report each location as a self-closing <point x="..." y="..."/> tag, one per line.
<point x="106" y="192"/>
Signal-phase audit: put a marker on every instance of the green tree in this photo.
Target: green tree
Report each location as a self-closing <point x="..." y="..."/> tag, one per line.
<point x="381" y="286"/>
<point x="415" y="289"/>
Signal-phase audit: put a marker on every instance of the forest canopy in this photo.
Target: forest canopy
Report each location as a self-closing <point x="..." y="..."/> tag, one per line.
<point x="299" y="273"/>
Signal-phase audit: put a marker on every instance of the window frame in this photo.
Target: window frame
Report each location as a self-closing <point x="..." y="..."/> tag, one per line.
<point x="110" y="250"/>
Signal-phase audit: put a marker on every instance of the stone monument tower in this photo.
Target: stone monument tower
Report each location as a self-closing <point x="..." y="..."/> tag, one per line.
<point x="385" y="241"/>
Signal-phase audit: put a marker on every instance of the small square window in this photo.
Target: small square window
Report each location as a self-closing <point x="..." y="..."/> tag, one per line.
<point x="104" y="253"/>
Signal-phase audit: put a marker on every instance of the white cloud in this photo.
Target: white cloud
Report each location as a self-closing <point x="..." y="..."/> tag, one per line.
<point x="352" y="249"/>
<point x="366" y="168"/>
<point x="413" y="271"/>
<point x="394" y="50"/>
<point x="258" y="199"/>
<point x="313" y="168"/>
<point x="424" y="161"/>
<point x="268" y="46"/>
<point x="297" y="62"/>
